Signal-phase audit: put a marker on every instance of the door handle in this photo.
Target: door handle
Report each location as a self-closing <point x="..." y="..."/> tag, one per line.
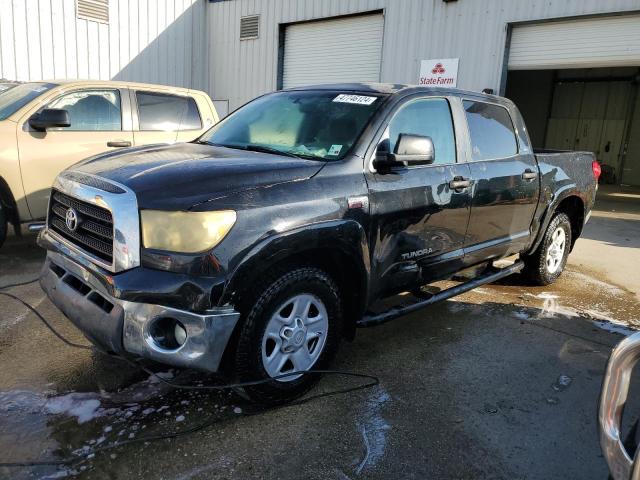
<point x="529" y="174"/>
<point x="119" y="143"/>
<point x="459" y="183"/>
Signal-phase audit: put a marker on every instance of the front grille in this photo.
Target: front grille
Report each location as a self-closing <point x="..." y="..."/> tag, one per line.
<point x="94" y="230"/>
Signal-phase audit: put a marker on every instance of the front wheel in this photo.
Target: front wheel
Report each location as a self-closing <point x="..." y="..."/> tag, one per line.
<point x="545" y="265"/>
<point x="293" y="324"/>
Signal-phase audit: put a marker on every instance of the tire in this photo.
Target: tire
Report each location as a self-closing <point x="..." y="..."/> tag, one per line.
<point x="4" y="226"/>
<point x="547" y="263"/>
<point x="273" y="326"/>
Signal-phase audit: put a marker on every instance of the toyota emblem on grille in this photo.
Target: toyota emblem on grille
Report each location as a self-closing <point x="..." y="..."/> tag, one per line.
<point x="71" y="219"/>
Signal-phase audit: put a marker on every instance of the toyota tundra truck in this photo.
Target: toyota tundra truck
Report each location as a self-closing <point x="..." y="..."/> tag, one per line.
<point x="255" y="249"/>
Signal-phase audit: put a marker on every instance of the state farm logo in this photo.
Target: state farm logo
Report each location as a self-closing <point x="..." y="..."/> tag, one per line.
<point x="439" y="72"/>
<point x="438" y="69"/>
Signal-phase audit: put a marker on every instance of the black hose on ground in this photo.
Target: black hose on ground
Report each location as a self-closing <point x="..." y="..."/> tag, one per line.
<point x="373" y="381"/>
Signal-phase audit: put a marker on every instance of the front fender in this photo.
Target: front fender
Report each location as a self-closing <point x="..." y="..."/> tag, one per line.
<point x="344" y="237"/>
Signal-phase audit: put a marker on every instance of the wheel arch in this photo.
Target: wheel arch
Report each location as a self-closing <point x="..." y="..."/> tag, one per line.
<point x="571" y="203"/>
<point x="7" y="201"/>
<point x="337" y="247"/>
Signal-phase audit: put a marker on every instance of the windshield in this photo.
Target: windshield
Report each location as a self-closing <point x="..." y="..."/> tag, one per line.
<point x="312" y="124"/>
<point x="17" y="97"/>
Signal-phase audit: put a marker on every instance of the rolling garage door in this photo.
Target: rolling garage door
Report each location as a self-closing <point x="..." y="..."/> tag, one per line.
<point x="588" y="43"/>
<point x="341" y="50"/>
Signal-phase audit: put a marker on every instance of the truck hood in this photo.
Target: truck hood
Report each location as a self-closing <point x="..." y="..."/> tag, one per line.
<point x="178" y="177"/>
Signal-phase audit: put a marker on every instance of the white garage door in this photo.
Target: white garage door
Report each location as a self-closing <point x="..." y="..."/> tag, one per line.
<point x="342" y="50"/>
<point x="588" y="43"/>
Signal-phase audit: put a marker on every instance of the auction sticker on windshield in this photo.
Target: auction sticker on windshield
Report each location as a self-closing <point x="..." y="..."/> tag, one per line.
<point x="357" y="99"/>
<point x="334" y="150"/>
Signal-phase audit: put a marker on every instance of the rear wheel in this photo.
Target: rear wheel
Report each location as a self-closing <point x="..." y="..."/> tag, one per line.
<point x="546" y="264"/>
<point x="3" y="224"/>
<point x="292" y="325"/>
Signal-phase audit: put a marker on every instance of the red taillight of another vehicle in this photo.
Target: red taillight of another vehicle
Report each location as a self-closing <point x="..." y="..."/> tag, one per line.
<point x="597" y="170"/>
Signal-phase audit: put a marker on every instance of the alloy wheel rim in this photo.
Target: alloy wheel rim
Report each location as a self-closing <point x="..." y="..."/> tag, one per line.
<point x="295" y="336"/>
<point x="555" y="251"/>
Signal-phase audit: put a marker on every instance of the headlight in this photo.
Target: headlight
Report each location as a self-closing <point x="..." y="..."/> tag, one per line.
<point x="185" y="232"/>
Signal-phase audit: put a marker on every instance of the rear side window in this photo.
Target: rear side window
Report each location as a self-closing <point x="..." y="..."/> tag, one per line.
<point x="429" y="117"/>
<point x="161" y="112"/>
<point x="491" y="130"/>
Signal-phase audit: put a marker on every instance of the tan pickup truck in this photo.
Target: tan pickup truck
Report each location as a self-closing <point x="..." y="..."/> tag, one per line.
<point x="47" y="126"/>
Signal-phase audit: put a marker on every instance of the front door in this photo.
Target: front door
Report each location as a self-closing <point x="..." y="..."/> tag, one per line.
<point x="96" y="126"/>
<point x="505" y="184"/>
<point x="419" y="221"/>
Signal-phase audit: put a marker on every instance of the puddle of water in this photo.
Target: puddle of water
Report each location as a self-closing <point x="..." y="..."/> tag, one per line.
<point x="562" y="383"/>
<point x="374" y="430"/>
<point x="615" y="327"/>
<point x="83" y="406"/>
<point x="575" y="294"/>
<point x="73" y="423"/>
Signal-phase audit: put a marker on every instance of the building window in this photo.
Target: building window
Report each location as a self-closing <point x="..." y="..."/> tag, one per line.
<point x="94" y="10"/>
<point x="249" y="27"/>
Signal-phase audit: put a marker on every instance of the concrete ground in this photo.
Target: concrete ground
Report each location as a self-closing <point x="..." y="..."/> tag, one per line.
<point x="502" y="382"/>
<point x="609" y="244"/>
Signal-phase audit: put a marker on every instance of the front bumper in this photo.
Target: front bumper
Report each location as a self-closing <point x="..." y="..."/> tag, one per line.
<point x="123" y="327"/>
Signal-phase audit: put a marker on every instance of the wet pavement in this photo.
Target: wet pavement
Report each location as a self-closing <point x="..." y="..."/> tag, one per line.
<point x="502" y="382"/>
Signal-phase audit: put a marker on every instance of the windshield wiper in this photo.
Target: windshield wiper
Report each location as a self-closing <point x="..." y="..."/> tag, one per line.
<point x="263" y="149"/>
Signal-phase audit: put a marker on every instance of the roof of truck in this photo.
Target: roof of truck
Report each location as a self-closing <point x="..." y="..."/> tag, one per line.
<point x="112" y="83"/>
<point x="392" y="88"/>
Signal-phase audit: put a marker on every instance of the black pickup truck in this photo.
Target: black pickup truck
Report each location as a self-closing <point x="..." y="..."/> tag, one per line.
<point x="255" y="249"/>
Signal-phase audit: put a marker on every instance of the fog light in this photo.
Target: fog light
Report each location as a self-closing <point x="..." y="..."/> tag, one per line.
<point x="168" y="333"/>
<point x="180" y="333"/>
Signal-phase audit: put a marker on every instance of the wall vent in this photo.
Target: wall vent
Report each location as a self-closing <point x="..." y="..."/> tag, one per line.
<point x="94" y="10"/>
<point x="249" y="27"/>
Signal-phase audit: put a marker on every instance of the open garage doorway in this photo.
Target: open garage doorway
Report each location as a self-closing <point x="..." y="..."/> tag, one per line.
<point x="596" y="110"/>
<point x="576" y="84"/>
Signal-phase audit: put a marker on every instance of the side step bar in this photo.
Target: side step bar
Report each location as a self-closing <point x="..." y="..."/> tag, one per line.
<point x="371" y="320"/>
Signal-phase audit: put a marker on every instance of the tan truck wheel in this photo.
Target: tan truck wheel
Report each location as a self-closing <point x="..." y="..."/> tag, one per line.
<point x="3" y="224"/>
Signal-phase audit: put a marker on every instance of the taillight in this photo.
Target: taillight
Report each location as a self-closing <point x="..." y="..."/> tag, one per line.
<point x="597" y="170"/>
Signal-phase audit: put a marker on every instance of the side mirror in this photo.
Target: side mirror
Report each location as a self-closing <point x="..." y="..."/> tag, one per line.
<point x="414" y="149"/>
<point x="410" y="150"/>
<point x="49" y="118"/>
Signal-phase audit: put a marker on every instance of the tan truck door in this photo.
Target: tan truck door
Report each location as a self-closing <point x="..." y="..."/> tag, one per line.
<point x="100" y="121"/>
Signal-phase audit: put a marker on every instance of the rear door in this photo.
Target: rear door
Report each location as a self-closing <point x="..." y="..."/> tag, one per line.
<point x="505" y="184"/>
<point x="100" y="121"/>
<point x="160" y="117"/>
<point x="419" y="221"/>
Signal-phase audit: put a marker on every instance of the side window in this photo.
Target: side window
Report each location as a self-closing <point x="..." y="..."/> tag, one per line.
<point x="430" y="118"/>
<point x="91" y="110"/>
<point x="161" y="112"/>
<point x="491" y="130"/>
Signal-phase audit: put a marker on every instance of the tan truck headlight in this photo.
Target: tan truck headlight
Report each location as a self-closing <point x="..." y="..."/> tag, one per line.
<point x="185" y="232"/>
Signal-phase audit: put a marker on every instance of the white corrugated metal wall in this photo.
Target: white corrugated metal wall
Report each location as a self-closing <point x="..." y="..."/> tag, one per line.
<point x="156" y="41"/>
<point x="473" y="30"/>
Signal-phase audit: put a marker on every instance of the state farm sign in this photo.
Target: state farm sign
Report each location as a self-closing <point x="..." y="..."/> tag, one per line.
<point x="439" y="72"/>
